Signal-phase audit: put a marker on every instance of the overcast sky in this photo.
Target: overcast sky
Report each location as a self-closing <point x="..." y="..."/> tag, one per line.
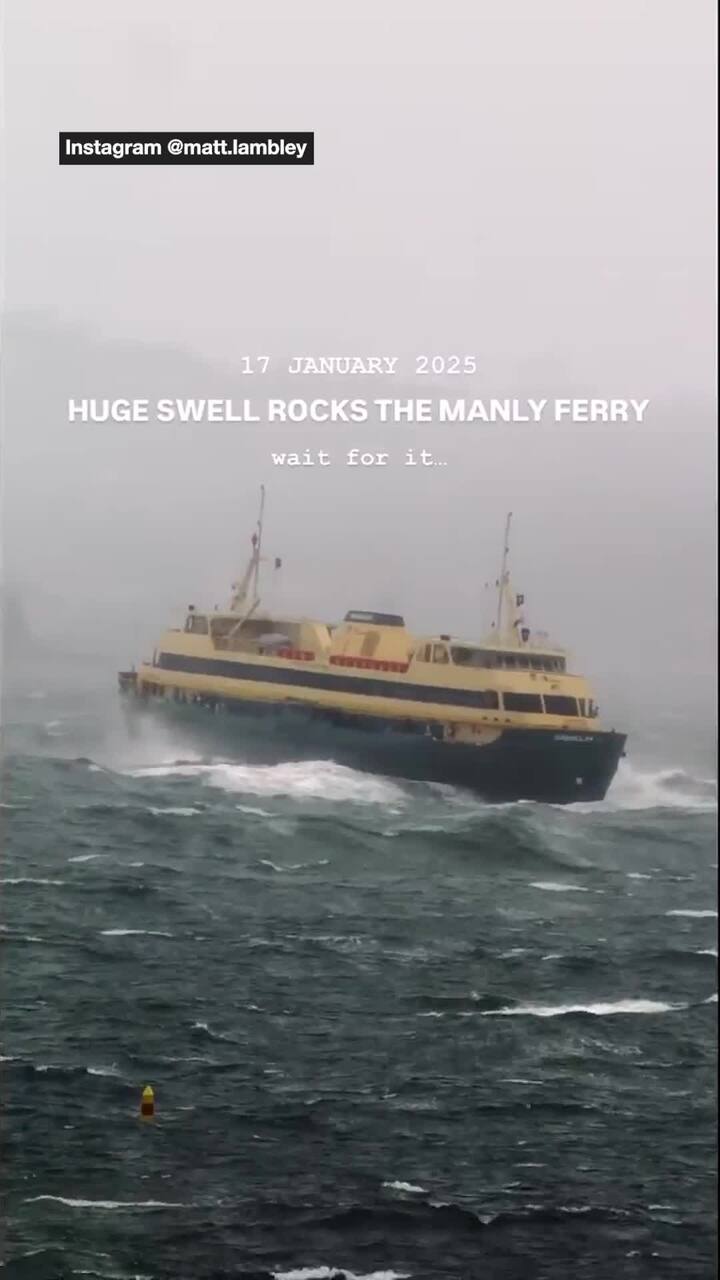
<point x="533" y="179"/>
<point x="529" y="182"/>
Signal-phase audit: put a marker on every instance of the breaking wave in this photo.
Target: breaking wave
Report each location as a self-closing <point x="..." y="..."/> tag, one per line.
<point x="635" y="788"/>
<point x="306" y="779"/>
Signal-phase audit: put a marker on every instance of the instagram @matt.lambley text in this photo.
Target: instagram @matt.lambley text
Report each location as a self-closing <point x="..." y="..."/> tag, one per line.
<point x="187" y="148"/>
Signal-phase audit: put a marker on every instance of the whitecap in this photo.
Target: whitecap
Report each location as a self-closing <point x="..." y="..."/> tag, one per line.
<point x="108" y="1204"/>
<point x="176" y="810"/>
<point x="106" y="1275"/>
<point x="249" y="808"/>
<point x="28" y="880"/>
<point x="123" y="933"/>
<point x="294" y="866"/>
<point x="338" y="1273"/>
<point x="697" y="915"/>
<point x="408" y="1187"/>
<point x="599" y="1009"/>
<point x="556" y="886"/>
<point x="84" y="857"/>
<point x="708" y="951"/>
<point x="211" y="1032"/>
<point x="638" y="875"/>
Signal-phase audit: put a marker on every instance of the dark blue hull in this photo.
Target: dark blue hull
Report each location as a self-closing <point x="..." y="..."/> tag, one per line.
<point x="548" y="765"/>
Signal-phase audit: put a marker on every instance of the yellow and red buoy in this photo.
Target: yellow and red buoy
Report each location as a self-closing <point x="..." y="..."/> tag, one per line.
<point x="147" y="1103"/>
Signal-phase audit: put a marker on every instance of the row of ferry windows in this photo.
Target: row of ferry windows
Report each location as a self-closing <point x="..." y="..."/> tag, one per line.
<point x="550" y="704"/>
<point x="489" y="658"/>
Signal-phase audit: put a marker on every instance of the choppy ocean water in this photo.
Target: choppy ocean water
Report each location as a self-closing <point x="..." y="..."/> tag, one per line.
<point x="392" y="1031"/>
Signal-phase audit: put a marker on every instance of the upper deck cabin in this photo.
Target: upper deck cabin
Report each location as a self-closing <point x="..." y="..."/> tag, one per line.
<point x="461" y="653"/>
<point x="301" y="638"/>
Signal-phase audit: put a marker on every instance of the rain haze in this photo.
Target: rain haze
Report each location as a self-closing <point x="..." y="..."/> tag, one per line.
<point x="530" y="185"/>
<point x="338" y="949"/>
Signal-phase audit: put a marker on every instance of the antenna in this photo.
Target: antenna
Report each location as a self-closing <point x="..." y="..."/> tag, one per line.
<point x="502" y="581"/>
<point x="257" y="544"/>
<point x="252" y="572"/>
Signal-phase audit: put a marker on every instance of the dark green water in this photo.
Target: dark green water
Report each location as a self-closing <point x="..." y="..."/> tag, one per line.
<point x="392" y="1031"/>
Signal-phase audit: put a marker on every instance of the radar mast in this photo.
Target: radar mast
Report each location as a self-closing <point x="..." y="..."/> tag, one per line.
<point x="240" y="601"/>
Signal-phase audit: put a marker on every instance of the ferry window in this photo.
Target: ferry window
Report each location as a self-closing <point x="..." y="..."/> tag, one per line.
<point x="440" y="653"/>
<point x="522" y="702"/>
<point x="555" y="705"/>
<point x="380" y="619"/>
<point x="488" y="699"/>
<point x="464" y="657"/>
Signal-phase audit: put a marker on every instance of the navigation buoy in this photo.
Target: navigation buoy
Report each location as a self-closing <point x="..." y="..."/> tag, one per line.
<point x="147" y="1103"/>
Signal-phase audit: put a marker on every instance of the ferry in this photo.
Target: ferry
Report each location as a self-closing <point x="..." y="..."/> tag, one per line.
<point x="504" y="716"/>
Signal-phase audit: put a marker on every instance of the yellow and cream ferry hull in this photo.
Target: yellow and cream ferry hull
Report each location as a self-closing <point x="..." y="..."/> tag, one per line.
<point x="385" y="724"/>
